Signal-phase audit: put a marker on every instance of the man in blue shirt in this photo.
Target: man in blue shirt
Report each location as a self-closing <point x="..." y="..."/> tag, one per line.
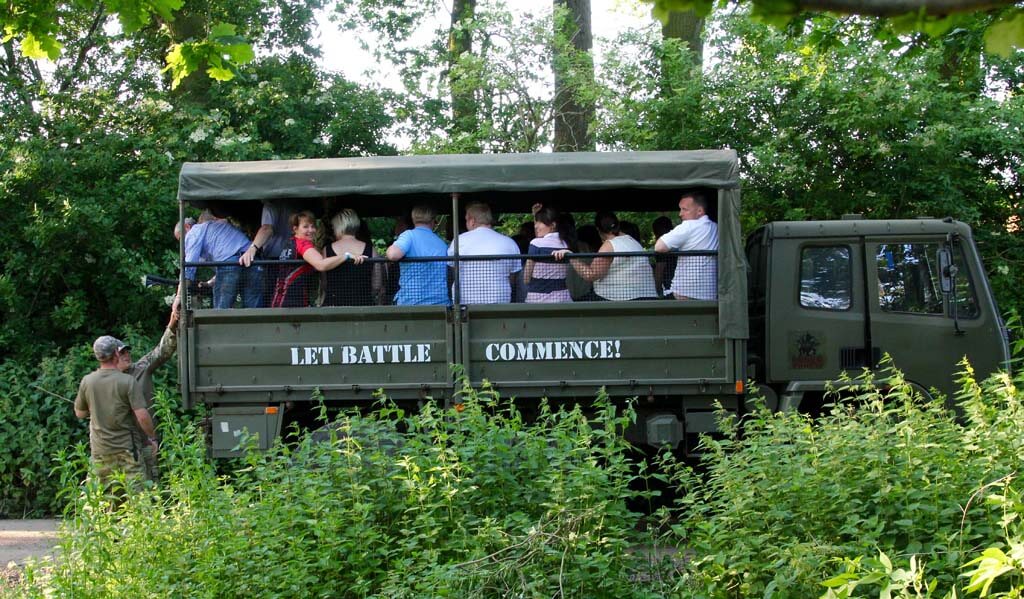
<point x="220" y="241"/>
<point x="421" y="283"/>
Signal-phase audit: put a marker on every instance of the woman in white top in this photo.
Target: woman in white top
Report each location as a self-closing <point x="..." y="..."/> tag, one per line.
<point x="619" y="278"/>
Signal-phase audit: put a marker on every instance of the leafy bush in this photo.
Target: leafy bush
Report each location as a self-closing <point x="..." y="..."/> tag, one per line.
<point x="441" y="503"/>
<point x="885" y="473"/>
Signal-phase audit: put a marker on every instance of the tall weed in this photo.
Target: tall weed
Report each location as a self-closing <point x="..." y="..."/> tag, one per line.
<point x="444" y="502"/>
<point x="885" y="475"/>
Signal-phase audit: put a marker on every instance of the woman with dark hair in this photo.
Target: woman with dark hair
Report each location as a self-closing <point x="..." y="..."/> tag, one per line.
<point x="295" y="288"/>
<point x="618" y="278"/>
<point x="545" y="280"/>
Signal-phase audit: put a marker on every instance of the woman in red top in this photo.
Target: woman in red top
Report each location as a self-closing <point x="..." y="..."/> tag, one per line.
<point x="294" y="288"/>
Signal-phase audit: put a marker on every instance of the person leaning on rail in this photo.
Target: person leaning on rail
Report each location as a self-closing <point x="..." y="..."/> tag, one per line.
<point x="696" y="277"/>
<point x="356" y="285"/>
<point x="421" y="283"/>
<point x="217" y="240"/>
<point x="485" y="281"/>
<point x="616" y="278"/>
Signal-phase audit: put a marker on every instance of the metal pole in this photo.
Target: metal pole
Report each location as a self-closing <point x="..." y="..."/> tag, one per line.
<point x="456" y="284"/>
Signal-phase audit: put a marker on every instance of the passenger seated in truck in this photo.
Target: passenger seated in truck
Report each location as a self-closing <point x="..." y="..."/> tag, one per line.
<point x="588" y="240"/>
<point x="356" y="284"/>
<point x="421" y="283"/>
<point x="630" y="228"/>
<point x="217" y="240"/>
<point x="485" y="281"/>
<point x="391" y="271"/>
<point x="664" y="265"/>
<point x="696" y="277"/>
<point x="296" y="286"/>
<point x="545" y="280"/>
<point x="616" y="278"/>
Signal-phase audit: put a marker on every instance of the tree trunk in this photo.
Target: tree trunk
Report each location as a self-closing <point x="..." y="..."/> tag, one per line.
<point x="680" y="76"/>
<point x="961" y="63"/>
<point x="574" y="69"/>
<point x="686" y="27"/>
<point x="460" y="43"/>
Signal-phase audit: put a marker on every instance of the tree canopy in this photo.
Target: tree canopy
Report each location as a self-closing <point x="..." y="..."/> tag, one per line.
<point x="1003" y="35"/>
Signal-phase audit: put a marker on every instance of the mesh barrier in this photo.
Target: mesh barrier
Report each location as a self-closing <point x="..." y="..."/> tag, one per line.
<point x="624" y="276"/>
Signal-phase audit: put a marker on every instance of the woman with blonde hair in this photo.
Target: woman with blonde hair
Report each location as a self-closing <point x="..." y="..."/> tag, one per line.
<point x="355" y="284"/>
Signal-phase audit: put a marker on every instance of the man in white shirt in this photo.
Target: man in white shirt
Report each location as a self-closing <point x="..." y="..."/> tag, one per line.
<point x="696" y="277"/>
<point x="485" y="281"/>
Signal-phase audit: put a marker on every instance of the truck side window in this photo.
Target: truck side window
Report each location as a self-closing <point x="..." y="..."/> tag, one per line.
<point x="825" y="278"/>
<point x="908" y="280"/>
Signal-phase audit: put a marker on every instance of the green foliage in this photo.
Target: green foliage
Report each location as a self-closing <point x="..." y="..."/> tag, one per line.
<point x="1006" y="35"/>
<point x="1003" y="37"/>
<point x="222" y="52"/>
<point x="834" y="122"/>
<point x="88" y="184"/>
<point x="464" y="502"/>
<point x="37" y="25"/>
<point x="885" y="474"/>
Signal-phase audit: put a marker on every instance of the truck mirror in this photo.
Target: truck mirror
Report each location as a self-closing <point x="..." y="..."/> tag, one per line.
<point x="947" y="270"/>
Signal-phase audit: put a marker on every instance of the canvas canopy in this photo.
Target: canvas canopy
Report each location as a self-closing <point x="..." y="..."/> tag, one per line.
<point x="575" y="181"/>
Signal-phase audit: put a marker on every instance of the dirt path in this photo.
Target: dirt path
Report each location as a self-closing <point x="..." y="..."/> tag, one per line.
<point x="21" y="540"/>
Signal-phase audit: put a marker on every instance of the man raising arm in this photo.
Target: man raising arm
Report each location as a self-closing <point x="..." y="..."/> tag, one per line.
<point x="696" y="277"/>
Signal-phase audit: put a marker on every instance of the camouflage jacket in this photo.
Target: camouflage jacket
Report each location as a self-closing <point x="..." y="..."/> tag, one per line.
<point x="142" y="369"/>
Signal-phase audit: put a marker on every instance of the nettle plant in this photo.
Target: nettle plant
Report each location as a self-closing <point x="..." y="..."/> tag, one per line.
<point x="889" y="493"/>
<point x="444" y="502"/>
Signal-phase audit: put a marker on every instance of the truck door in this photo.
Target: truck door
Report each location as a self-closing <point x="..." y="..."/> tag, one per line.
<point x="913" y="320"/>
<point x="816" y="318"/>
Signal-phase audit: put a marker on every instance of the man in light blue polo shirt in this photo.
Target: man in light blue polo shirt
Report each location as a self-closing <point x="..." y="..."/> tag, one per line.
<point x="220" y="241"/>
<point x="421" y="283"/>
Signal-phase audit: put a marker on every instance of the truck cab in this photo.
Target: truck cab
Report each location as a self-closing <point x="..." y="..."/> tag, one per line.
<point x="828" y="297"/>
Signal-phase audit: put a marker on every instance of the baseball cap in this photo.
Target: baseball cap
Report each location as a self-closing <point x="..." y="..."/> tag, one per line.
<point x="106" y="347"/>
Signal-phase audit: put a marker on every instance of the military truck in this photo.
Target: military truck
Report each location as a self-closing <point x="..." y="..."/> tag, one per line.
<point x="797" y="304"/>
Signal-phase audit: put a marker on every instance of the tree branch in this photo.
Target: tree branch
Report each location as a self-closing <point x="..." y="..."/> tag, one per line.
<point x="892" y="8"/>
<point x="87" y="44"/>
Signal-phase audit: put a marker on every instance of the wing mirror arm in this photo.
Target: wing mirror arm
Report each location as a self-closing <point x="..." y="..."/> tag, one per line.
<point x="947" y="280"/>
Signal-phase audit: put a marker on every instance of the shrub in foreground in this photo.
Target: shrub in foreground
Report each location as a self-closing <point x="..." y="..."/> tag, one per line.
<point x="790" y="503"/>
<point x="474" y="502"/>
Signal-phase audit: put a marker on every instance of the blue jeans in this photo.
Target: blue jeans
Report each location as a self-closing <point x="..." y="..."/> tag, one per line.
<point x="231" y="279"/>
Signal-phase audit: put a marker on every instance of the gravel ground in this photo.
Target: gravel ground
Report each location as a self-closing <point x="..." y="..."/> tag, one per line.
<point x="10" y="577"/>
<point x="21" y="540"/>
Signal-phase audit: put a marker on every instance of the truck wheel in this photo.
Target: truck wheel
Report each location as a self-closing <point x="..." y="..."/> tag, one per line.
<point x="369" y="437"/>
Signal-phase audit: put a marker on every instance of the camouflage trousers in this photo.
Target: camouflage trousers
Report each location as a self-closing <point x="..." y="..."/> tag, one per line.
<point x="108" y="467"/>
<point x="149" y="464"/>
<point x="147" y="457"/>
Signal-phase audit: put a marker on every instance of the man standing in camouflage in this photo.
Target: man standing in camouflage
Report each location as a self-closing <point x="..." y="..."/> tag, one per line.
<point x="142" y="372"/>
<point x="108" y="398"/>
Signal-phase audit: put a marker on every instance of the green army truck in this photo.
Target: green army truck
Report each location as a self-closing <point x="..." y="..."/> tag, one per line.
<point x="797" y="305"/>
